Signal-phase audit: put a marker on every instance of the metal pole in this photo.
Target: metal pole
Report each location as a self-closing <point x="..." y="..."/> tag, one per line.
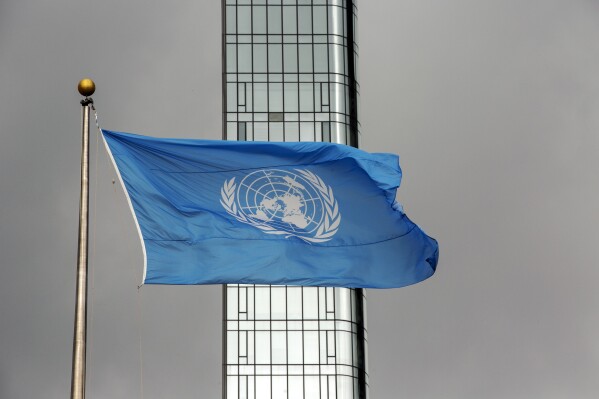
<point x="86" y="88"/>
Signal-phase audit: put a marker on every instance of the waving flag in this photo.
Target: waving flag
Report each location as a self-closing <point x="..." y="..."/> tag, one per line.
<point x="228" y="212"/>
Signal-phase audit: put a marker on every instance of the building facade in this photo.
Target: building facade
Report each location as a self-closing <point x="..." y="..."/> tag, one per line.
<point x="289" y="74"/>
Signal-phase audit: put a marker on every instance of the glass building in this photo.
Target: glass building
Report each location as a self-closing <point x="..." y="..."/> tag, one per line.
<point x="289" y="74"/>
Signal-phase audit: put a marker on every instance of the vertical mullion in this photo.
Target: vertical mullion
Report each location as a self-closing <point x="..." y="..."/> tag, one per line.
<point x="252" y="69"/>
<point x="283" y="71"/>
<point x="313" y="73"/>
<point x="318" y="336"/>
<point x="267" y="77"/>
<point x="335" y="339"/>
<point x="303" y="340"/>
<point x="297" y="68"/>
<point x="237" y="58"/>
<point x="286" y="332"/>
<point x="328" y="32"/>
<point x="345" y="75"/>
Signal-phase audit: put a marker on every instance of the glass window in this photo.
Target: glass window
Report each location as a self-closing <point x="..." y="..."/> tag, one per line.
<point x="232" y="355"/>
<point x="312" y="388"/>
<point x="231" y="58"/>
<point x="305" y="58"/>
<point x="290" y="58"/>
<point x="260" y="58"/>
<point x="231" y="135"/>
<point x="274" y="20"/>
<point x="278" y="302"/>
<point x="306" y="131"/>
<point x="232" y="384"/>
<point x="243" y="341"/>
<point x="244" y="58"/>
<point x="304" y="17"/>
<point x="279" y="347"/>
<point x="338" y="133"/>
<point x="260" y="131"/>
<point x="289" y="20"/>
<point x="306" y="97"/>
<point x="321" y="302"/>
<point x="310" y="299"/>
<point x="294" y="303"/>
<point x="291" y="131"/>
<point x="279" y="386"/>
<point x="344" y="347"/>
<point x="243" y="387"/>
<point x="231" y="19"/>
<point x="276" y="131"/>
<point x="324" y="93"/>
<point x="294" y="345"/>
<point x="330" y="293"/>
<point x="319" y="16"/>
<point x="332" y="390"/>
<point x="262" y="298"/>
<point x="260" y="97"/>
<point x="317" y="101"/>
<point x="336" y="62"/>
<point x="275" y="98"/>
<point x="241" y="131"/>
<point x="322" y="336"/>
<point x="259" y="19"/>
<point x="249" y="88"/>
<point x="337" y="97"/>
<point x="343" y="300"/>
<point x="275" y="58"/>
<point x="326" y="131"/>
<point x="345" y="386"/>
<point x="244" y="20"/>
<point x="296" y="388"/>
<point x="330" y="343"/>
<point x="232" y="97"/>
<point x="278" y="325"/>
<point x="335" y="21"/>
<point x="263" y="387"/>
<point x="321" y="58"/>
<point x="310" y="347"/>
<point x="291" y="97"/>
<point x="241" y="93"/>
<point x="242" y="299"/>
<point x="262" y="347"/>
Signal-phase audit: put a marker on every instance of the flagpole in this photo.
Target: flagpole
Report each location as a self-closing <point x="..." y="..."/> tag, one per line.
<point x="86" y="88"/>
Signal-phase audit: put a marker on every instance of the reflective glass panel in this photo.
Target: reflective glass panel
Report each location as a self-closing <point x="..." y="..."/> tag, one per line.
<point x="274" y="19"/>
<point x="259" y="19"/>
<point x="304" y="15"/>
<point x="244" y="20"/>
<point x="289" y="20"/>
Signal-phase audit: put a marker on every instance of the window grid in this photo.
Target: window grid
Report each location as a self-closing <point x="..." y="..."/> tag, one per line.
<point x="331" y="320"/>
<point x="261" y="67"/>
<point x="280" y="85"/>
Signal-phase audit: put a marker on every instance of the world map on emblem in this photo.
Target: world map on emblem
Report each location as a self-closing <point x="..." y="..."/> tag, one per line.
<point x="294" y="203"/>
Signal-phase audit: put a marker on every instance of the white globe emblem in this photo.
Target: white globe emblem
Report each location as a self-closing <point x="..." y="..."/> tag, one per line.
<point x="284" y="202"/>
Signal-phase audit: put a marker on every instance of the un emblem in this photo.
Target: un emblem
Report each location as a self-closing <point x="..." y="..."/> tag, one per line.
<point x="284" y="202"/>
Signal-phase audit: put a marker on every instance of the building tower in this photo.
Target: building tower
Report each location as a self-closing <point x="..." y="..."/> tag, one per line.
<point x="289" y="74"/>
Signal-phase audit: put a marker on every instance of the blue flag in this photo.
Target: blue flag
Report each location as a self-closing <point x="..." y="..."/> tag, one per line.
<point x="229" y="212"/>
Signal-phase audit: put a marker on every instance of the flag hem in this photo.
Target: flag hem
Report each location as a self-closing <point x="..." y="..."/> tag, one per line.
<point x="143" y="244"/>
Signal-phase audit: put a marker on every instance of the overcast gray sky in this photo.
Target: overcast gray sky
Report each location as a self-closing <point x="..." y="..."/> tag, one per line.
<point x="493" y="107"/>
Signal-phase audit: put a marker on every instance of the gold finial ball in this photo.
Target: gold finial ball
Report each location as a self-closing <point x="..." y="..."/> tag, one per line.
<point x="86" y="87"/>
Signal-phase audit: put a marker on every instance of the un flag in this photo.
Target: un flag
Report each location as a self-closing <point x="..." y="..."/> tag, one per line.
<point x="312" y="214"/>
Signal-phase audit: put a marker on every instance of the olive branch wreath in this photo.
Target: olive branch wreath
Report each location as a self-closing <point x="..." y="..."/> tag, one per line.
<point x="326" y="230"/>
